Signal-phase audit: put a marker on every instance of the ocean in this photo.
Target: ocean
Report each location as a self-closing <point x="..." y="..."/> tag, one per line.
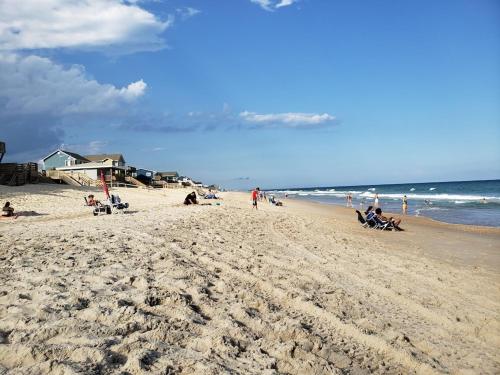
<point x="458" y="202"/>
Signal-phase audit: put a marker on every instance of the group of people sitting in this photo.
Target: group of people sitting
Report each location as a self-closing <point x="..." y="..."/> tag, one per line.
<point x="113" y="202"/>
<point x="274" y="201"/>
<point x="191" y="197"/>
<point x="375" y="219"/>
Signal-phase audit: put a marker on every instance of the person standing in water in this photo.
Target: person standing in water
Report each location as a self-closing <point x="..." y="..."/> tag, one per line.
<point x="375" y="202"/>
<point x="405" y="205"/>
<point x="349" y="200"/>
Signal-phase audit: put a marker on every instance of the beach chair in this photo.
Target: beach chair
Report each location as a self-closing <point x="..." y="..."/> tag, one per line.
<point x="101" y="210"/>
<point x="362" y="220"/>
<point x="372" y="221"/>
<point x="383" y="225"/>
<point x="116" y="205"/>
<point x="98" y="210"/>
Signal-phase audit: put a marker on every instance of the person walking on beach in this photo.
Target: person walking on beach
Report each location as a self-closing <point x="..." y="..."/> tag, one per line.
<point x="255" y="196"/>
<point x="375" y="202"/>
<point x="349" y="200"/>
<point x="405" y="205"/>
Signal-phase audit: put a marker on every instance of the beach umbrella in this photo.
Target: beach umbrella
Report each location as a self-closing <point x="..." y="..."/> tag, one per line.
<point x="104" y="186"/>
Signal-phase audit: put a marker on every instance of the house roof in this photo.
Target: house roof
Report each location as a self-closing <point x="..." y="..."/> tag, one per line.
<point x="100" y="157"/>
<point x="69" y="153"/>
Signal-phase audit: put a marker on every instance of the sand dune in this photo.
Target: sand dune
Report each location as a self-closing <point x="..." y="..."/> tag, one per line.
<point x="300" y="289"/>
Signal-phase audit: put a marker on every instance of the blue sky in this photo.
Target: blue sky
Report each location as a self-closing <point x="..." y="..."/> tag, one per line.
<point x="269" y="93"/>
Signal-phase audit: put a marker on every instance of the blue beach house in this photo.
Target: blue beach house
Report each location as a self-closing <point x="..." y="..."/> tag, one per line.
<point x="62" y="158"/>
<point x="144" y="175"/>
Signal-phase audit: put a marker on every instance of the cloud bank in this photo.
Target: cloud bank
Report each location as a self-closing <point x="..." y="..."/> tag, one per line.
<point x="289" y="119"/>
<point x="34" y="84"/>
<point x="89" y="24"/>
<point x="39" y="97"/>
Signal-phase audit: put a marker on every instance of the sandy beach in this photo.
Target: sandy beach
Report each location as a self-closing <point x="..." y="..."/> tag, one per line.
<point x="224" y="289"/>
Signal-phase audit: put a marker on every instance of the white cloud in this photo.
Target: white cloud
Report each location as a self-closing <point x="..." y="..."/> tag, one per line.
<point x="290" y="119"/>
<point x="187" y="12"/>
<point x="271" y="5"/>
<point x="86" y="24"/>
<point x="34" y="84"/>
<point x="285" y="3"/>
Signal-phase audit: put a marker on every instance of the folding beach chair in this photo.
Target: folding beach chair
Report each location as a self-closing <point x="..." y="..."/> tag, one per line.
<point x="116" y="205"/>
<point x="372" y="221"/>
<point x="383" y="225"/>
<point x="362" y="220"/>
<point x="98" y="210"/>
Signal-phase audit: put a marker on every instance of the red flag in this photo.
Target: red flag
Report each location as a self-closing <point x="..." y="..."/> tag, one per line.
<point x="104" y="186"/>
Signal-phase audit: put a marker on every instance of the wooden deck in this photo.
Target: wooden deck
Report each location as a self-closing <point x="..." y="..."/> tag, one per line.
<point x="14" y="174"/>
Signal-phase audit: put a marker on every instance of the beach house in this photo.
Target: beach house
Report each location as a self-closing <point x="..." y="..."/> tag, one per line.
<point x="70" y="167"/>
<point x="115" y="160"/>
<point x="144" y="175"/>
<point x="62" y="158"/>
<point x="170" y="177"/>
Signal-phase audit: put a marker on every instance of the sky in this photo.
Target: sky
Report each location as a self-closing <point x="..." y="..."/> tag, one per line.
<point x="269" y="93"/>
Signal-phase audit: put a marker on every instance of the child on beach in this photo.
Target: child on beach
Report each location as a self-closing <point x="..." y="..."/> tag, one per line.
<point x="405" y="205"/>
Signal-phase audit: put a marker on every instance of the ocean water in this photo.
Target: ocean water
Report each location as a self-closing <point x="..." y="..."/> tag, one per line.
<point x="464" y="202"/>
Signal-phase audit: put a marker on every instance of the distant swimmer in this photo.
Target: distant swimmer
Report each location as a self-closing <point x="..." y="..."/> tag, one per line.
<point x="483" y="200"/>
<point x="375" y="202"/>
<point x="405" y="205"/>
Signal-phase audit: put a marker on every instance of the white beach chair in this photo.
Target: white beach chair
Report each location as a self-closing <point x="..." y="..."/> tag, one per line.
<point x="116" y="205"/>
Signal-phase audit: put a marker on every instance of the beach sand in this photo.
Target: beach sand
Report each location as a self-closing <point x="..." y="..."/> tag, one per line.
<point x="299" y="289"/>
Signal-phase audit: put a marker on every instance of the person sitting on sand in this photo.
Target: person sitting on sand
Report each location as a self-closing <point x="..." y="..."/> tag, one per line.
<point x="91" y="201"/>
<point x="394" y="222"/>
<point x="190" y="199"/>
<point x="8" y="210"/>
<point x="212" y="196"/>
<point x="370" y="213"/>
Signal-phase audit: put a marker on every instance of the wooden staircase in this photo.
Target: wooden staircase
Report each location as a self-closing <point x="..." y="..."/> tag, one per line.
<point x="70" y="180"/>
<point x="64" y="177"/>
<point x="83" y="179"/>
<point x="134" y="181"/>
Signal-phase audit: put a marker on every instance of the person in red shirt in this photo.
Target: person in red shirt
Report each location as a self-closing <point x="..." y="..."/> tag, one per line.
<point x="255" y="196"/>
